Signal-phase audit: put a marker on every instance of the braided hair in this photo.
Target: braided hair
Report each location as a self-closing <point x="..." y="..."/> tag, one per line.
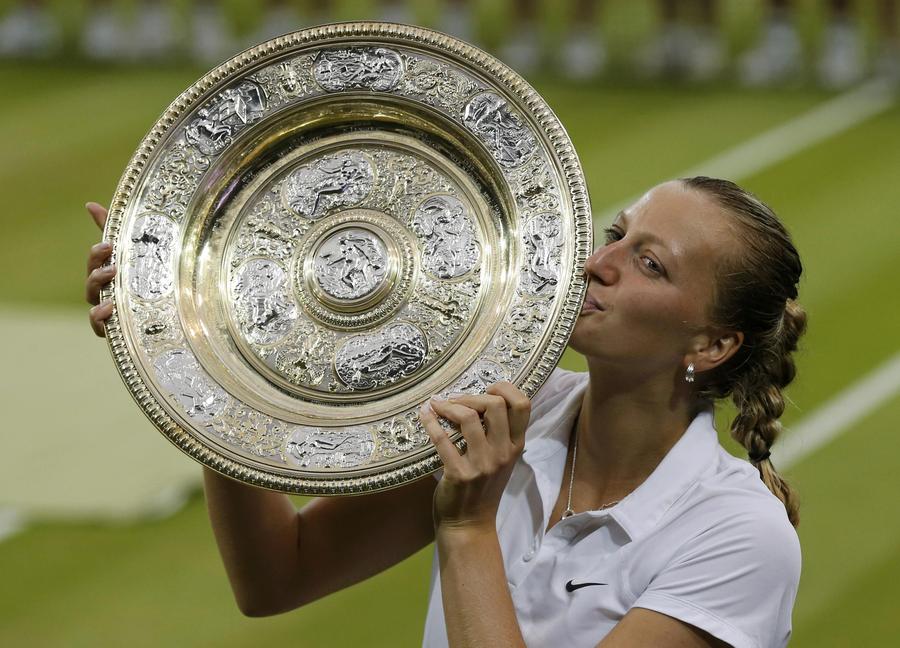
<point x="756" y="294"/>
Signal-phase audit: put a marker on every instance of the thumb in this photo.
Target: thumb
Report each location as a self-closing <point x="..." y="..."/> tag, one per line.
<point x="98" y="213"/>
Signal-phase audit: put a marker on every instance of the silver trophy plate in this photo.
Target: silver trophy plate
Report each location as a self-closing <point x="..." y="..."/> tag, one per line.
<point x="329" y="229"/>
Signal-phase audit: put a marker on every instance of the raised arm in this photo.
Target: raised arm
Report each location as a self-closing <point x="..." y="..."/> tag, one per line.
<point x="278" y="558"/>
<point x="478" y="608"/>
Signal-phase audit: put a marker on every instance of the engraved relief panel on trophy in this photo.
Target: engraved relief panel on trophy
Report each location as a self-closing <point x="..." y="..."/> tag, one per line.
<point x="358" y="67"/>
<point x="437" y="83"/>
<point x="351" y="268"/>
<point x="322" y="449"/>
<point x="174" y="179"/>
<point x="403" y="180"/>
<point x="148" y="273"/>
<point x="288" y="80"/>
<point x="214" y="127"/>
<point x="251" y="431"/>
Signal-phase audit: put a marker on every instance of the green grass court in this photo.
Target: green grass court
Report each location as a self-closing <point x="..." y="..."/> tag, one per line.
<point x="68" y="133"/>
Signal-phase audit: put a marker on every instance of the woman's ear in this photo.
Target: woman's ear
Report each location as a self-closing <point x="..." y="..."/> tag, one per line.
<point x="716" y="349"/>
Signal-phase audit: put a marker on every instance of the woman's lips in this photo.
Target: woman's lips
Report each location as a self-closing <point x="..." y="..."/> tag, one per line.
<point x="590" y="306"/>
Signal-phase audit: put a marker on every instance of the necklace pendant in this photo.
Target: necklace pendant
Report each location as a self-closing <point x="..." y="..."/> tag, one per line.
<point x="568" y="513"/>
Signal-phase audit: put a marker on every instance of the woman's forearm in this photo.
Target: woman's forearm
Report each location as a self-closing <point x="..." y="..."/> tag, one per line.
<point x="257" y="534"/>
<point x="477" y="606"/>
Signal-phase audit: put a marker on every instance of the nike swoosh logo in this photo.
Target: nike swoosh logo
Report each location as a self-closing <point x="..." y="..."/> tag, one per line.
<point x="571" y="587"/>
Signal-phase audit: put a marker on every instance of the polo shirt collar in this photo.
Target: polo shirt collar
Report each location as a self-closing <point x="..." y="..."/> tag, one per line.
<point x="641" y="510"/>
<point x="683" y="465"/>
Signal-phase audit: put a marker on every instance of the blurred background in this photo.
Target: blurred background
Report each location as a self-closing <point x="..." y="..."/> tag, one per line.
<point x="103" y="532"/>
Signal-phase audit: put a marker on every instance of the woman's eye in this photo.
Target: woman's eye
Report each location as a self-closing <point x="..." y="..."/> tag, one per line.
<point x="612" y="235"/>
<point x="652" y="265"/>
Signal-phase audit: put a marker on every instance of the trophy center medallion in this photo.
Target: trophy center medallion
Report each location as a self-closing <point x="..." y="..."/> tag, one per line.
<point x="350" y="265"/>
<point x="354" y="269"/>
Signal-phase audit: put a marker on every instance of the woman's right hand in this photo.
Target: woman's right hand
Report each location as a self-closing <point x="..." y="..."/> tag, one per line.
<point x="98" y="276"/>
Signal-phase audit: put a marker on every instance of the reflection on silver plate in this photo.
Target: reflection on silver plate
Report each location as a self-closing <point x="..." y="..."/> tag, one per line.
<point x="327" y="230"/>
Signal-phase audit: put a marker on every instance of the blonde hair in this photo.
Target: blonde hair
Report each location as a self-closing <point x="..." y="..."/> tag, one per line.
<point x="756" y="295"/>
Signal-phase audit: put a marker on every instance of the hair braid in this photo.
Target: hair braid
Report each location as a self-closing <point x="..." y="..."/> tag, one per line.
<point x="760" y="403"/>
<point x="756" y="296"/>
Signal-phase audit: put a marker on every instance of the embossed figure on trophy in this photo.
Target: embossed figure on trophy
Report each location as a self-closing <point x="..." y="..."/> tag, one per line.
<point x="261" y="288"/>
<point x="451" y="249"/>
<point x="324" y="448"/>
<point x="152" y="238"/>
<point x="179" y="372"/>
<point x="367" y="361"/>
<point x="543" y="238"/>
<point x="307" y="356"/>
<point x="351" y="264"/>
<point x="391" y="358"/>
<point x="490" y="120"/>
<point x="303" y="367"/>
<point x="477" y="378"/>
<point x="288" y="78"/>
<point x="488" y="116"/>
<point x="215" y="126"/>
<point x="263" y="307"/>
<point x="336" y="180"/>
<point x="449" y="312"/>
<point x="360" y="259"/>
<point x="269" y="240"/>
<point x="362" y="67"/>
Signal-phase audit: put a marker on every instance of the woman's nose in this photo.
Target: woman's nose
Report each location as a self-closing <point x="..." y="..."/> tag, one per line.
<point x="603" y="264"/>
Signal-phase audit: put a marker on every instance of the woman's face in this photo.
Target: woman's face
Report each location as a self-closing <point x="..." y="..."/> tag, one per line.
<point x="651" y="284"/>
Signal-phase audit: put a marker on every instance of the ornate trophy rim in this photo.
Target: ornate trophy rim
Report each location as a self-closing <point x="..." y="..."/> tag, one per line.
<point x="475" y="61"/>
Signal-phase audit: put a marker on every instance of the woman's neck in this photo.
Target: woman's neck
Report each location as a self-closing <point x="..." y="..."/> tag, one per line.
<point x="626" y="427"/>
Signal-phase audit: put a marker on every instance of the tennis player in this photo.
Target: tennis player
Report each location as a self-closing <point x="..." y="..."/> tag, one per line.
<point x="603" y="511"/>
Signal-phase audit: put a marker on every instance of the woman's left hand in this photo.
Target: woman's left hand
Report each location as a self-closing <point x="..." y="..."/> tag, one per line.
<point x="493" y="425"/>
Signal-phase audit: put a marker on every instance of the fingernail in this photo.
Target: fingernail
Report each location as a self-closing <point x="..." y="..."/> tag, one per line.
<point x="105" y="245"/>
<point x="425" y="409"/>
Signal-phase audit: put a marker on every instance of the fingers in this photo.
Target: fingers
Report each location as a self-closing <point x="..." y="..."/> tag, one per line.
<point x="469" y="423"/>
<point x="98" y="316"/>
<point x="98" y="278"/>
<point x="518" y="409"/>
<point x="446" y="450"/>
<point x="506" y="411"/>
<point x="494" y="410"/>
<point x="98" y="275"/>
<point x="98" y="255"/>
<point x="98" y="213"/>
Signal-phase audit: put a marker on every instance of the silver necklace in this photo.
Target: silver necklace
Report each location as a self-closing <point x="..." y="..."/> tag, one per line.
<point x="569" y="512"/>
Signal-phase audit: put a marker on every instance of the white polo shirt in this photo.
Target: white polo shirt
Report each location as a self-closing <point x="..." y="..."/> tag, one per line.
<point x="702" y="540"/>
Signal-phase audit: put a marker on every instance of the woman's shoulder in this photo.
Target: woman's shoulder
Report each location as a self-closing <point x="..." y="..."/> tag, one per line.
<point x="727" y="561"/>
<point x="731" y="505"/>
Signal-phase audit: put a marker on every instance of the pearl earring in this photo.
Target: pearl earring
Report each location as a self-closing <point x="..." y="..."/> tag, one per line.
<point x="689" y="374"/>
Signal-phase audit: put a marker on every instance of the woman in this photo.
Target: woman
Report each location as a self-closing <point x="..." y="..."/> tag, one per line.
<point x="603" y="512"/>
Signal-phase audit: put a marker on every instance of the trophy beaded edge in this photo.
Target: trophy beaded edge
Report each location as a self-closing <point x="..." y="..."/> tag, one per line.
<point x="550" y="128"/>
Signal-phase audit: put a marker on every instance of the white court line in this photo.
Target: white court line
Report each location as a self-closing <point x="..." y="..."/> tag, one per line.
<point x="781" y="142"/>
<point x="838" y="414"/>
